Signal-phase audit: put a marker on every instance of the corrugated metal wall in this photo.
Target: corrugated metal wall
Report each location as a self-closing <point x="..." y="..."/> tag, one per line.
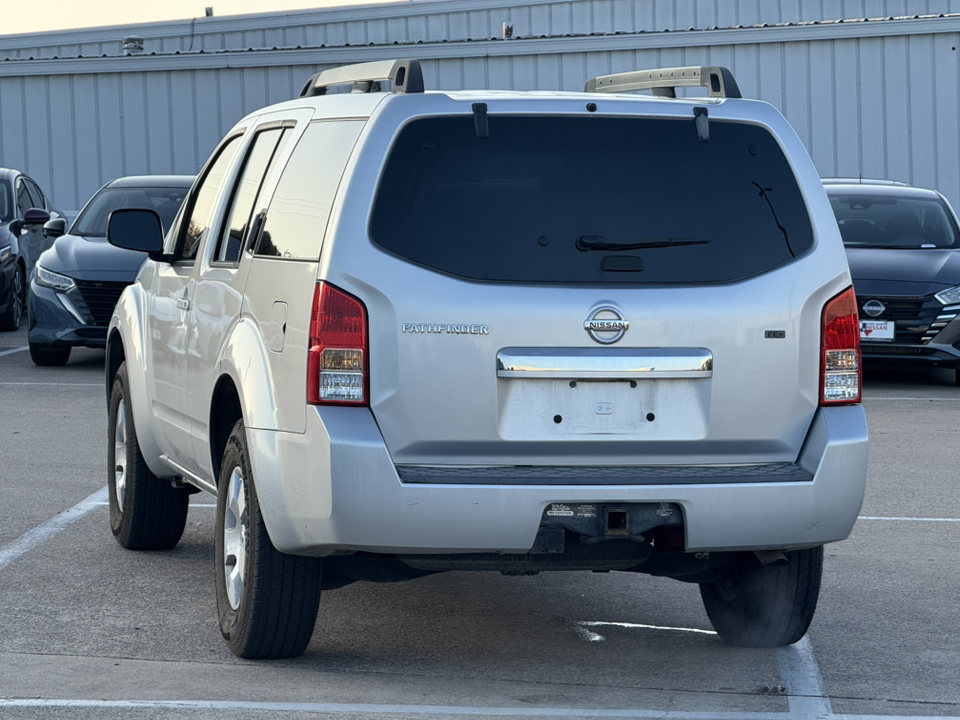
<point x="435" y="21"/>
<point x="873" y="98"/>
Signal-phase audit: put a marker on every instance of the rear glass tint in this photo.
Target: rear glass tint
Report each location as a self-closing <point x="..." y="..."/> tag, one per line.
<point x="590" y="200"/>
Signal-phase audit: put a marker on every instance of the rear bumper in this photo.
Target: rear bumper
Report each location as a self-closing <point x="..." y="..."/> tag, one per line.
<point x="335" y="488"/>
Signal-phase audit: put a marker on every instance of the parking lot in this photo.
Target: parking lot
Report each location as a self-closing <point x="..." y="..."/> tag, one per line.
<point x="89" y="630"/>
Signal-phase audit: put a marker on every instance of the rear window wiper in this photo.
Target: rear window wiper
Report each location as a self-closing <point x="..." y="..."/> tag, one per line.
<point x="600" y="242"/>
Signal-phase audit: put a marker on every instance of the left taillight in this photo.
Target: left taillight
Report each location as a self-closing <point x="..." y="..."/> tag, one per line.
<point x="840" y="364"/>
<point x="337" y="362"/>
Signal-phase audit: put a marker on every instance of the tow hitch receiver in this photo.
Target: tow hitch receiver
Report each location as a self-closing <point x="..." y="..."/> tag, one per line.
<point x="595" y="523"/>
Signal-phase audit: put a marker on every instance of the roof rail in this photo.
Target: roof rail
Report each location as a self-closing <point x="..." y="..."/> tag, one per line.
<point x="718" y="80"/>
<point x="405" y="76"/>
<point x="861" y="181"/>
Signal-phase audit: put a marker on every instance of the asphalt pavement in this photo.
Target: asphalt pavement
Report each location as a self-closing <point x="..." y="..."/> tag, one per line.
<point x="89" y="630"/>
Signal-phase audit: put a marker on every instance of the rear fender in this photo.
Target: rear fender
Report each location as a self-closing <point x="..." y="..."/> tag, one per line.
<point x="244" y="359"/>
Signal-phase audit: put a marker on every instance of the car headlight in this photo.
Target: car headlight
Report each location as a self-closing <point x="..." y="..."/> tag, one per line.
<point x="950" y="296"/>
<point x="54" y="280"/>
<point x="4" y="252"/>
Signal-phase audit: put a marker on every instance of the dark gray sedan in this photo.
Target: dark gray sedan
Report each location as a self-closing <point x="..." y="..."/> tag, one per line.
<point x="23" y="211"/>
<point x="903" y="245"/>
<point x="78" y="280"/>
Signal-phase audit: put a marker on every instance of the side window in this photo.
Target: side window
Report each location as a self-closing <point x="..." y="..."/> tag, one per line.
<point x="297" y="218"/>
<point x="38" y="200"/>
<point x="24" y="201"/>
<point x="245" y="194"/>
<point x="197" y="221"/>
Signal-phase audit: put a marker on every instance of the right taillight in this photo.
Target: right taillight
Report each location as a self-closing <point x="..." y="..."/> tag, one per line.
<point x="337" y="361"/>
<point x="840" y="373"/>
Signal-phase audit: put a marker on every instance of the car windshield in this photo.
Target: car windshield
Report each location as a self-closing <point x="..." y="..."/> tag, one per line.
<point x="6" y="206"/>
<point x="92" y="222"/>
<point x="893" y="221"/>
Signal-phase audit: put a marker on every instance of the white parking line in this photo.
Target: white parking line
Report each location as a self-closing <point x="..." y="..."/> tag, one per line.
<point x="800" y="674"/>
<point x="931" y="399"/>
<point x="909" y="519"/>
<point x="14" y="350"/>
<point x="56" y="384"/>
<point x="54" y="526"/>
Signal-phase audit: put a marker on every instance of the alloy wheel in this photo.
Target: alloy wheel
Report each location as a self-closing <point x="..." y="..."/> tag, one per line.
<point x="235" y="537"/>
<point x="120" y="454"/>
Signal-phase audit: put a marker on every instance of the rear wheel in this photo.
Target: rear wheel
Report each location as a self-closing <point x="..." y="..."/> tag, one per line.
<point x="49" y="355"/>
<point x="146" y="512"/>
<point x="10" y="320"/>
<point x="756" y="605"/>
<point x="267" y="600"/>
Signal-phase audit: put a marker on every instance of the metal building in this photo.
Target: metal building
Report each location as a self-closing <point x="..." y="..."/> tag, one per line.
<point x="871" y="86"/>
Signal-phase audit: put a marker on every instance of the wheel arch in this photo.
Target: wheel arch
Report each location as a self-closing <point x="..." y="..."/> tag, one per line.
<point x="225" y="409"/>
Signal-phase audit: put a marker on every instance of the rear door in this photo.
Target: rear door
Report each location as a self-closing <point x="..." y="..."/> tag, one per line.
<point x="590" y="290"/>
<point x="218" y="294"/>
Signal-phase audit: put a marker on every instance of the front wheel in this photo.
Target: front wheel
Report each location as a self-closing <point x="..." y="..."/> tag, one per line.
<point x="756" y="605"/>
<point x="146" y="512"/>
<point x="267" y="600"/>
<point x="10" y="320"/>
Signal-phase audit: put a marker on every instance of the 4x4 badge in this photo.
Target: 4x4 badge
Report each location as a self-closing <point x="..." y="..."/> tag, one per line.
<point x="606" y="325"/>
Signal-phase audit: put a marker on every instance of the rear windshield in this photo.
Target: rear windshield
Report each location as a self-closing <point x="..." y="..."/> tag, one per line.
<point x="590" y="200"/>
<point x="892" y="221"/>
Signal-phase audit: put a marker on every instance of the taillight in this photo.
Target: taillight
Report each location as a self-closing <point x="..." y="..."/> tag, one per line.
<point x="337" y="359"/>
<point x="840" y="374"/>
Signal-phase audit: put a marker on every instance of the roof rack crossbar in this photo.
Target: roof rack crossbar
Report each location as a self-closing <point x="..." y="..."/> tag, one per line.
<point x="405" y="76"/>
<point x="718" y="80"/>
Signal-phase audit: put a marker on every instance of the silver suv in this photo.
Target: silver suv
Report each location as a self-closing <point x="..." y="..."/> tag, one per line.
<point x="399" y="332"/>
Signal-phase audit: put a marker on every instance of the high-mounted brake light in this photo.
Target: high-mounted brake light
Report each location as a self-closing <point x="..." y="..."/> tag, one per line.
<point x="840" y="362"/>
<point x="337" y="359"/>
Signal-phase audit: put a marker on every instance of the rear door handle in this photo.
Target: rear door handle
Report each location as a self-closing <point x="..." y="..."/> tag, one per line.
<point x="183" y="304"/>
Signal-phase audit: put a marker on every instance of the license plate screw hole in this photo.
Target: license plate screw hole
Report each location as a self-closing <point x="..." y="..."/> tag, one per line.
<point x="651" y="417"/>
<point x="573" y="383"/>
<point x="633" y="383"/>
<point x="557" y="419"/>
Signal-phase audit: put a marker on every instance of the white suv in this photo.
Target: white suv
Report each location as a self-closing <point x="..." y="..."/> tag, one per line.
<point x="399" y="332"/>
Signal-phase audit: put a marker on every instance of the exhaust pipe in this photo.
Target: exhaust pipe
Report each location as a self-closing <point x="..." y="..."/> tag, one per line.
<point x="771" y="557"/>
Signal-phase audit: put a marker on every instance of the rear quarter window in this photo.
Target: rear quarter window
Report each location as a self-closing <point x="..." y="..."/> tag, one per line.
<point x="297" y="218"/>
<point x="590" y="200"/>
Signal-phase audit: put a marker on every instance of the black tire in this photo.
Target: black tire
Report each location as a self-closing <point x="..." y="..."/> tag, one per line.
<point x="146" y="512"/>
<point x="10" y="319"/>
<point x="956" y="376"/>
<point x="269" y="609"/>
<point x="49" y="355"/>
<point x="757" y="605"/>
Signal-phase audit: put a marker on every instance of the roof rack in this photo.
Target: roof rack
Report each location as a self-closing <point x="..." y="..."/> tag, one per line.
<point x="861" y="181"/>
<point x="405" y="76"/>
<point x="664" y="81"/>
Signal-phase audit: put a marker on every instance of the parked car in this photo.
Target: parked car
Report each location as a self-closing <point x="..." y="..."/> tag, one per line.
<point x="400" y="333"/>
<point x="903" y="245"/>
<point x="78" y="280"/>
<point x="23" y="212"/>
